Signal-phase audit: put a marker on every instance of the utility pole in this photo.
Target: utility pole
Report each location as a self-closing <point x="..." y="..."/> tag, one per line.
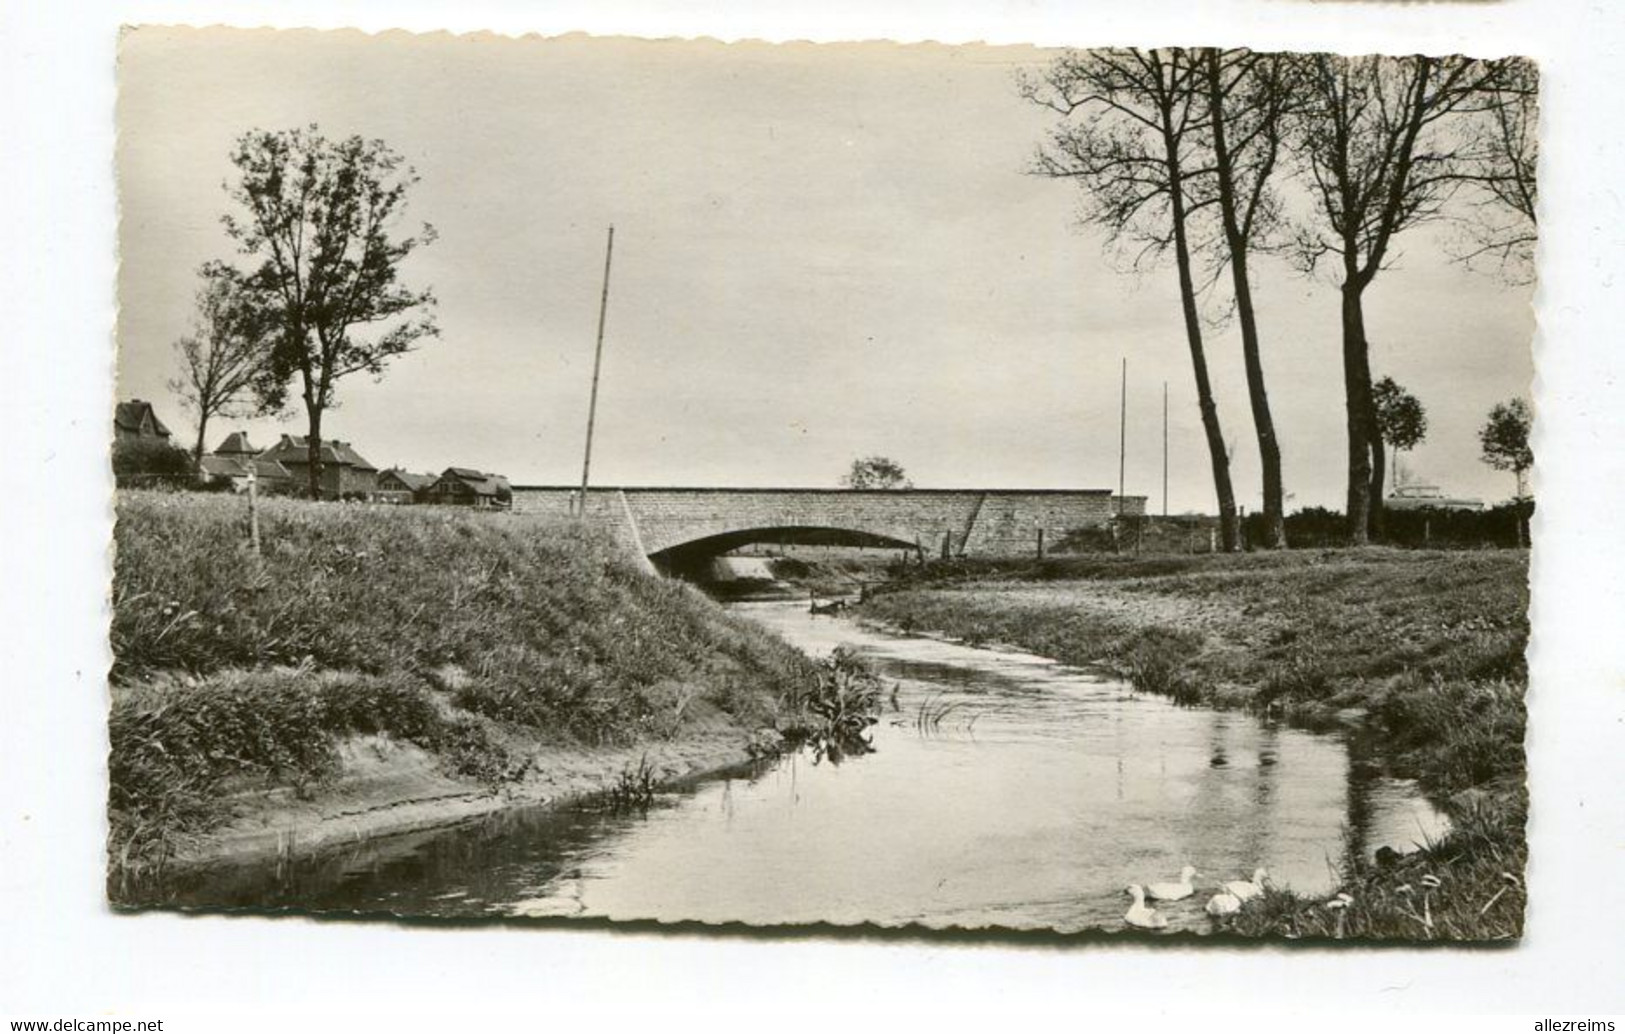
<point x="1165" y="448"/>
<point x="597" y="364"/>
<point x="1122" y="437"/>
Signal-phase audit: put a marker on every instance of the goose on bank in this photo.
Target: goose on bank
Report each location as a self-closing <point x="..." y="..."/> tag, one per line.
<point x="1141" y="915"/>
<point x="1168" y="891"/>
<point x="1246" y="890"/>
<point x="1223" y="905"/>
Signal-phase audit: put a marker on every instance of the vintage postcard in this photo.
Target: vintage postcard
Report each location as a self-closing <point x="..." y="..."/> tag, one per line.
<point x="941" y="487"/>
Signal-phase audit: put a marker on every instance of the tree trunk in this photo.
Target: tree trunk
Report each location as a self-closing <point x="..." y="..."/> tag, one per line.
<point x="313" y="447"/>
<point x="1379" y="475"/>
<point x="1269" y="449"/>
<point x="1193" y="334"/>
<point x="197" y="450"/>
<point x="1357" y="399"/>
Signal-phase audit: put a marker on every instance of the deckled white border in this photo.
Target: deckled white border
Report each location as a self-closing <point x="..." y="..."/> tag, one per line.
<point x="63" y="954"/>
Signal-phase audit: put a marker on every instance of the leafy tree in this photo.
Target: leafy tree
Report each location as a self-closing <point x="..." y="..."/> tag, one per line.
<point x="1401" y="419"/>
<point x="876" y="472"/>
<point x="1131" y="135"/>
<point x="1505" y="440"/>
<point x="226" y="351"/>
<point x="142" y="462"/>
<point x="320" y="217"/>
<point x="1380" y="143"/>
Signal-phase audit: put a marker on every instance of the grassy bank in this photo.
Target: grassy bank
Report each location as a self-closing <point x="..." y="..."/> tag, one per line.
<point x="484" y="640"/>
<point x="1419" y="655"/>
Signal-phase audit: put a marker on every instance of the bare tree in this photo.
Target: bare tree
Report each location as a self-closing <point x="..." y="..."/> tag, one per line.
<point x="1504" y="155"/>
<point x="225" y="353"/>
<point x="1381" y="156"/>
<point x="320" y="217"/>
<point x="1247" y="97"/>
<point x="1132" y="122"/>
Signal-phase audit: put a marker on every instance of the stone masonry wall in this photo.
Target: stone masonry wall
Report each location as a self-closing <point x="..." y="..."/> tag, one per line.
<point x="976" y="523"/>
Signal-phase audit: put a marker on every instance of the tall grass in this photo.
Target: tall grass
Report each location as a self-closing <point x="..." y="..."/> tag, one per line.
<point x="553" y="629"/>
<point x="452" y="630"/>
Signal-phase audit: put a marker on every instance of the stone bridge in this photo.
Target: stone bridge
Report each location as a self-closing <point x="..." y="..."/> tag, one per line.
<point x="670" y="524"/>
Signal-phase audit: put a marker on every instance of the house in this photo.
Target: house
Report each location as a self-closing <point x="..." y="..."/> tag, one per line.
<point x="402" y="486"/>
<point x="464" y="486"/>
<point x="346" y="474"/>
<point x="137" y="419"/>
<point x="228" y="466"/>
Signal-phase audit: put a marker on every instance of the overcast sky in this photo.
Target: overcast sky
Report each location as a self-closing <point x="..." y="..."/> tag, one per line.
<point x="821" y="252"/>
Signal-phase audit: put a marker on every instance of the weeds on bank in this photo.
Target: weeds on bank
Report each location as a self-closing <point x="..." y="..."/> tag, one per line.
<point x="176" y="745"/>
<point x="231" y="668"/>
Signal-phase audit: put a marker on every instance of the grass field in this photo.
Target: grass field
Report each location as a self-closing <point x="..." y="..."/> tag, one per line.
<point x="1420" y="655"/>
<point x="473" y="636"/>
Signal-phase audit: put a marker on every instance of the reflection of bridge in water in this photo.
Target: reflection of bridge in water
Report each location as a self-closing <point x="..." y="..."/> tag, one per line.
<point x="673" y="526"/>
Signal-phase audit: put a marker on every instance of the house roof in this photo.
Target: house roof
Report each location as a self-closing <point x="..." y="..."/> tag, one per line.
<point x="216" y="465"/>
<point x="480" y="483"/>
<point x="128" y="416"/>
<point x="235" y="444"/>
<point x="293" y="448"/>
<point x="409" y="479"/>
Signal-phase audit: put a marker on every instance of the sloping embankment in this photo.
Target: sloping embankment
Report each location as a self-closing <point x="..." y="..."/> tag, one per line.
<point x="383" y="669"/>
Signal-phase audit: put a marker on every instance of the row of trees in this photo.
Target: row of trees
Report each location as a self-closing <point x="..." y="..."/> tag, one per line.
<point x="1219" y="156"/>
<point x="317" y="295"/>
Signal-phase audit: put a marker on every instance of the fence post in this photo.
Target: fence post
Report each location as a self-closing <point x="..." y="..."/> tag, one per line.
<point x="253" y="510"/>
<point x="1040" y="543"/>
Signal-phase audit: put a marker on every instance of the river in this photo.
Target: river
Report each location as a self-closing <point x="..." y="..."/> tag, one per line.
<point x="1035" y="800"/>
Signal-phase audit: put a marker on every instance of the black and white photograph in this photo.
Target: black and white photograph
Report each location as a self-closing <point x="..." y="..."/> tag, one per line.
<point x="973" y="488"/>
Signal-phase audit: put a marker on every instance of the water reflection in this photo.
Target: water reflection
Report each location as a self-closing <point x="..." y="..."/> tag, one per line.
<point x="1033" y="802"/>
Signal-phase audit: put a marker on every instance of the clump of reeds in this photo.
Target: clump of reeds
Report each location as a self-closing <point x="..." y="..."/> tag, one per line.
<point x="634" y="788"/>
<point x="844" y="705"/>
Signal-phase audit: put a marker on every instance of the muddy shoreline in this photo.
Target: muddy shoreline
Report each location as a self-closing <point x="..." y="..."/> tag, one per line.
<point x="388" y="788"/>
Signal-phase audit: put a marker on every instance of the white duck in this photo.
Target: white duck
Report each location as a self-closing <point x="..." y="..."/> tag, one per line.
<point x="1223" y="905"/>
<point x="1169" y="891"/>
<point x="1141" y="915"/>
<point x="1246" y="890"/>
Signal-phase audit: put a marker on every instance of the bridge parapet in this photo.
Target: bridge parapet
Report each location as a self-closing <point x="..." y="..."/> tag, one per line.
<point x="995" y="522"/>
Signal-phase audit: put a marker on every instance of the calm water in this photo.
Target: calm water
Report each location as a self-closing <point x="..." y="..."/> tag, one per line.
<point x="1042" y="794"/>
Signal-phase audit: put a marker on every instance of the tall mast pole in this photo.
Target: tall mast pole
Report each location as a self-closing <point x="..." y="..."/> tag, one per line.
<point x="597" y="364"/>
<point x="1122" y="437"/>
<point x="1165" y="448"/>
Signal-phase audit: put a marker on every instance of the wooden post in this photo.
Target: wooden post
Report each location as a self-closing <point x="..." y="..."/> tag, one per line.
<point x="947" y="544"/>
<point x="1122" y="437"/>
<point x="597" y="364"/>
<point x="1165" y="448"/>
<point x="1040" y="543"/>
<point x="253" y="510"/>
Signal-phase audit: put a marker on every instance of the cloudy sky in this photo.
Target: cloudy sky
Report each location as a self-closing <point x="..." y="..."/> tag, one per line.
<point x="821" y="252"/>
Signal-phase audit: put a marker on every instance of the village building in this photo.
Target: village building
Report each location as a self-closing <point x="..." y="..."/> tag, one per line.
<point x="137" y="419"/>
<point x="346" y="474"/>
<point x="464" y="486"/>
<point x="229" y="464"/>
<point x="402" y="487"/>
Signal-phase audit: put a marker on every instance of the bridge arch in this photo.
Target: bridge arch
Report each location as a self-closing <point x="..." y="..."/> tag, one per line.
<point x="692" y="557"/>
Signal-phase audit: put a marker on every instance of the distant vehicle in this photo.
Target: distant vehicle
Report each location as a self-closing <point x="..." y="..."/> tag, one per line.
<point x="1428" y="497"/>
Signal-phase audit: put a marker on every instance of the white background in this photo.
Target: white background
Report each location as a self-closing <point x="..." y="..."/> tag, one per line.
<point x="63" y="954"/>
